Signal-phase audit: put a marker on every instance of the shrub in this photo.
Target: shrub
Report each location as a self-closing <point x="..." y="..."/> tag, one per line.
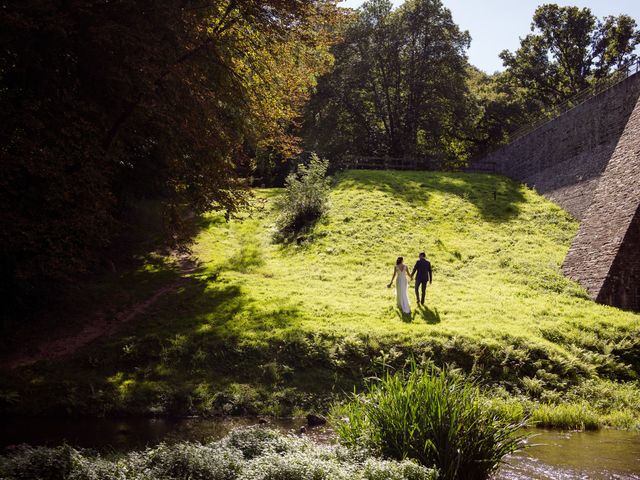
<point x="27" y="463"/>
<point x="306" y="197"/>
<point x="436" y="418"/>
<point x="376" y="469"/>
<point x="298" y="465"/>
<point x="254" y="442"/>
<point x="302" y="460"/>
<point x="245" y="454"/>
<point x="192" y="461"/>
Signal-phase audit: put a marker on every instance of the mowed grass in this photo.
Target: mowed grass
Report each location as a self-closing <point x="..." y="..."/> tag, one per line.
<point x="266" y="327"/>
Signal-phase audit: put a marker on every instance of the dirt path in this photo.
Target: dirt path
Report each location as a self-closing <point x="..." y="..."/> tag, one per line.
<point x="102" y="325"/>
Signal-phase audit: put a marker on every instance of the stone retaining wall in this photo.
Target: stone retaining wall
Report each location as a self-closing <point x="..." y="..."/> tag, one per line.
<point x="605" y="255"/>
<point x="564" y="158"/>
<point x="588" y="161"/>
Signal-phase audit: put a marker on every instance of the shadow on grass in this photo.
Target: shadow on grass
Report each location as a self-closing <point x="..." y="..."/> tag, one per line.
<point x="137" y="263"/>
<point x="429" y="316"/>
<point x="83" y="302"/>
<point x="405" y="317"/>
<point x="249" y="256"/>
<point x="201" y="346"/>
<point x="496" y="197"/>
<point x="201" y="339"/>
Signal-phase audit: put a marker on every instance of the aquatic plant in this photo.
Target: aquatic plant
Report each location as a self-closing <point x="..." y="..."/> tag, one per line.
<point x="437" y="417"/>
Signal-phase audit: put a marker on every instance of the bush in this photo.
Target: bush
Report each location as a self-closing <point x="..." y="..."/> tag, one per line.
<point x="375" y="469"/>
<point x="27" y="463"/>
<point x="298" y="465"/>
<point x="245" y="454"/>
<point x="438" y="419"/>
<point x="306" y="197"/>
<point x="254" y="442"/>
<point x="192" y="461"/>
<point x="302" y="460"/>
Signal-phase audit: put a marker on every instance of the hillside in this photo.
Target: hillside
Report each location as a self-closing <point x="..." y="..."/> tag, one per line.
<point x="269" y="328"/>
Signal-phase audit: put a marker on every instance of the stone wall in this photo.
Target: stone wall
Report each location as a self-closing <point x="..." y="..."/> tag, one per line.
<point x="622" y="287"/>
<point x="605" y="255"/>
<point x="588" y="161"/>
<point x="564" y="158"/>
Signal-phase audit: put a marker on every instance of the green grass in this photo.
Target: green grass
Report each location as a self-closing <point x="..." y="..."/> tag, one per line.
<point x="436" y="418"/>
<point x="270" y="327"/>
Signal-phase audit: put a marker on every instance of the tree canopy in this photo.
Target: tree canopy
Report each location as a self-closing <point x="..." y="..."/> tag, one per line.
<point x="398" y="86"/>
<point x="106" y="103"/>
<point x="568" y="50"/>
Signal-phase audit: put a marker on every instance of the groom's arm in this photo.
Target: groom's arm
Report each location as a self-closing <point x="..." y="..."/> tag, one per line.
<point x="415" y="267"/>
<point x="430" y="274"/>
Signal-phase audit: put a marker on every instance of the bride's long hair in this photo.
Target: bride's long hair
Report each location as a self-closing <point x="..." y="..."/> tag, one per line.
<point x="399" y="260"/>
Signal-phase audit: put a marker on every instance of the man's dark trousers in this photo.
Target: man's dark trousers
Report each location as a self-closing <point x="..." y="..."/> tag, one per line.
<point x="421" y="283"/>
<point x="423" y="268"/>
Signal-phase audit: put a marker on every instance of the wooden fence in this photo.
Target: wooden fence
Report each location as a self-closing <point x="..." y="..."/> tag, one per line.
<point x="414" y="163"/>
<point x="481" y="167"/>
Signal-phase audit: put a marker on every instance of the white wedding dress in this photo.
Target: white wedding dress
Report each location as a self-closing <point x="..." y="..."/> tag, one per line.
<point x="402" y="288"/>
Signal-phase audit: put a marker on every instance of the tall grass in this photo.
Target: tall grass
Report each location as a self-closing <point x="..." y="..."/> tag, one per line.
<point x="437" y="418"/>
<point x="568" y="417"/>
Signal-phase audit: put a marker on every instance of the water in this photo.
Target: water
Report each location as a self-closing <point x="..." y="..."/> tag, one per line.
<point x="121" y="435"/>
<point x="552" y="455"/>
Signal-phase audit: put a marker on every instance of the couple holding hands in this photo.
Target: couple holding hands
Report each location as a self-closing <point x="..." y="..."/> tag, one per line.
<point x="401" y="271"/>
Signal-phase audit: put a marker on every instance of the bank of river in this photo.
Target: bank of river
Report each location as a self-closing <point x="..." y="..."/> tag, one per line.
<point x="552" y="455"/>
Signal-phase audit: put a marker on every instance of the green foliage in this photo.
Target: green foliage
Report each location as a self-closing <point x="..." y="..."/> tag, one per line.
<point x="165" y="103"/>
<point x="398" y="86"/>
<point x="256" y="442"/>
<point x="498" y="108"/>
<point x="247" y="454"/>
<point x="306" y="197"/>
<point x="28" y="463"/>
<point x="296" y="325"/>
<point x="189" y="461"/>
<point x="568" y="417"/>
<point x="437" y="418"/>
<point x="569" y="50"/>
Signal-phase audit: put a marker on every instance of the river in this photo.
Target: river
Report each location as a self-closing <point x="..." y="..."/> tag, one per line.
<point x="552" y="455"/>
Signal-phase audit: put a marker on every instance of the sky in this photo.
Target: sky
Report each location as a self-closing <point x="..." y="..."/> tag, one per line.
<point x="496" y="25"/>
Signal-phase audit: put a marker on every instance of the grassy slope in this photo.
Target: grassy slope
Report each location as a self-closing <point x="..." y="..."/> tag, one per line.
<point x="266" y="327"/>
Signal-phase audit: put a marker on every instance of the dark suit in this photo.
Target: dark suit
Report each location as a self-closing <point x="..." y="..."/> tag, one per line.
<point x="423" y="267"/>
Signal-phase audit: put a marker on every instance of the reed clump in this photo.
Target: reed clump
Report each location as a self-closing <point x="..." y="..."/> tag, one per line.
<point x="435" y="416"/>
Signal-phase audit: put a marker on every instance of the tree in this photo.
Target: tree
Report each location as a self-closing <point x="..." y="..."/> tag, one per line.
<point x="398" y="86"/>
<point x="498" y="108"/>
<point x="104" y="103"/>
<point x="569" y="50"/>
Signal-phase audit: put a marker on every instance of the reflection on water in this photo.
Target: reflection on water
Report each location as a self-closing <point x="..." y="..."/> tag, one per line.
<point x="552" y="455"/>
<point x="120" y="435"/>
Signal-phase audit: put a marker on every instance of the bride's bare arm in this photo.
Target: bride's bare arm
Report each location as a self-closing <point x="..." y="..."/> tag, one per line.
<point x="394" y="276"/>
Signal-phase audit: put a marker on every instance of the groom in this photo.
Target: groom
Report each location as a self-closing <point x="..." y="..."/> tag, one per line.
<point x="423" y="267"/>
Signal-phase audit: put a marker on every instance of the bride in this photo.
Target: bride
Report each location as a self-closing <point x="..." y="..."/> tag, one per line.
<point x="402" y="285"/>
